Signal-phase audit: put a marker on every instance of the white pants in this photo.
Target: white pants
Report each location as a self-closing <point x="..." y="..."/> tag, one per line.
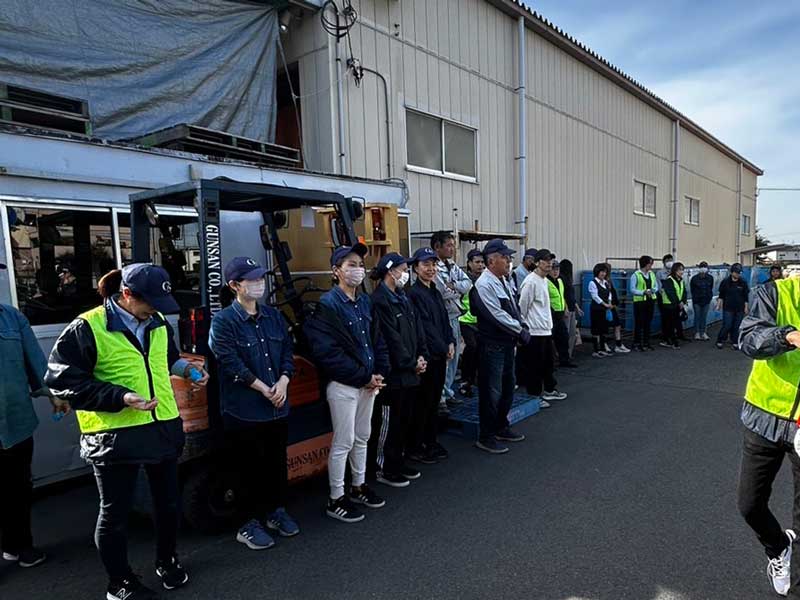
<point x="351" y="414"/>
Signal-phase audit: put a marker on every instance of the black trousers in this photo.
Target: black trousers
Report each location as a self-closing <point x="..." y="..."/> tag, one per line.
<point x="116" y="484"/>
<point x="671" y="323"/>
<point x="642" y="319"/>
<point x="391" y="421"/>
<point x="16" y="497"/>
<point x="259" y="451"/>
<point x="469" y="357"/>
<point x="561" y="336"/>
<point x="425" y="411"/>
<point x="495" y="388"/>
<point x="540" y="365"/>
<point x="761" y="461"/>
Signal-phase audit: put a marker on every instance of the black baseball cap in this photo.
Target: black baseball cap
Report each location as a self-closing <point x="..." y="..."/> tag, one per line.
<point x="543" y="254"/>
<point x="736" y="268"/>
<point x="498" y="247"/>
<point x="390" y="261"/>
<point x="342" y="251"/>
<point x="151" y="283"/>
<point x="473" y="253"/>
<point x="703" y="264"/>
<point x="424" y="254"/>
<point x="530" y="252"/>
<point x="243" y="267"/>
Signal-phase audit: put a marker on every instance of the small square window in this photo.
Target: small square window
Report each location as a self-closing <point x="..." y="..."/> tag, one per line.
<point x="692" y="211"/>
<point x="644" y="199"/>
<point x="745" y="224"/>
<point x="441" y="146"/>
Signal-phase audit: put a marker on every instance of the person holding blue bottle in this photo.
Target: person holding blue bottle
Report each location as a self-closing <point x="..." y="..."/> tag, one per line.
<point x="253" y="349"/>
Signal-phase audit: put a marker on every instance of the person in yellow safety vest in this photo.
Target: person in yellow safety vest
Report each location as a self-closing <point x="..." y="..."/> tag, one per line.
<point x="643" y="288"/>
<point x="673" y="305"/>
<point x="769" y="334"/>
<point x="468" y="323"/>
<point x="113" y="365"/>
<point x="558" y="307"/>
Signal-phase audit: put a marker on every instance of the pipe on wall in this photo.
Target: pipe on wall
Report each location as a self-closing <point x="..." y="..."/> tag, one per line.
<point x="388" y="119"/>
<point x="676" y="182"/>
<point x="522" y="160"/>
<point x="739" y="213"/>
<point x="340" y="111"/>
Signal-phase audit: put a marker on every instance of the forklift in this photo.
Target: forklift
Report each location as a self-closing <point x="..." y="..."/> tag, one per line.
<point x="231" y="218"/>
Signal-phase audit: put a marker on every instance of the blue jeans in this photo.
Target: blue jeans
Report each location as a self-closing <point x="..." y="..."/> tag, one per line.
<point x="452" y="365"/>
<point x="701" y="318"/>
<point x="730" y="325"/>
<point x="495" y="388"/>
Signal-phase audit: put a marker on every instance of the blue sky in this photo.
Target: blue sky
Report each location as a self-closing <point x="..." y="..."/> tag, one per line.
<point x="731" y="66"/>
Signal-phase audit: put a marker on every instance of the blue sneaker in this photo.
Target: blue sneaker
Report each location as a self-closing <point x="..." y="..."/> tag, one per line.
<point x="254" y="536"/>
<point x="281" y="522"/>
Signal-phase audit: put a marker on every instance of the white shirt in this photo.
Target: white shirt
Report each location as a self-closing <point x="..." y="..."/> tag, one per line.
<point x="534" y="305"/>
<point x="593" y="290"/>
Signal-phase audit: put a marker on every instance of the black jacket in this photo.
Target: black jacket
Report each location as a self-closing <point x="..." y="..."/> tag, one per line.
<point x="404" y="333"/>
<point x="734" y="294"/>
<point x="70" y="377"/>
<point x="759" y="336"/>
<point x="702" y="286"/>
<point x="429" y="305"/>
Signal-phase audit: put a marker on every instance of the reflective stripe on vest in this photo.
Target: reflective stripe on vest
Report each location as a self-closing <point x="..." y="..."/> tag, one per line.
<point x="680" y="287"/>
<point x="643" y="284"/>
<point x="773" y="383"/>
<point x="556" y="295"/>
<point x="467" y="317"/>
<point x="121" y="363"/>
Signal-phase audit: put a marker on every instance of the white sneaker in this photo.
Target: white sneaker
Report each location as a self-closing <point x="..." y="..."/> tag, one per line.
<point x="779" y="569"/>
<point x="599" y="354"/>
<point x="554" y="395"/>
<point x="543" y="403"/>
<point x="607" y="349"/>
<point x="705" y="337"/>
<point x="698" y="337"/>
<point x="622" y="349"/>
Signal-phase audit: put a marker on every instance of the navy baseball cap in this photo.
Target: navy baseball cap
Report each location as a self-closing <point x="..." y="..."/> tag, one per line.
<point x="543" y="254"/>
<point x="390" y="261"/>
<point x="703" y="264"/>
<point x="424" y="254"/>
<point x="499" y="247"/>
<point x="736" y="268"/>
<point x="152" y="284"/>
<point x="473" y="253"/>
<point x="243" y="267"/>
<point x="530" y="252"/>
<point x="343" y="251"/>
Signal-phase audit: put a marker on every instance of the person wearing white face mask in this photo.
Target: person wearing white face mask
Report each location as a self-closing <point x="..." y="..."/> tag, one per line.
<point x="348" y="349"/>
<point x="662" y="275"/>
<point x="702" y="287"/>
<point x="253" y="349"/>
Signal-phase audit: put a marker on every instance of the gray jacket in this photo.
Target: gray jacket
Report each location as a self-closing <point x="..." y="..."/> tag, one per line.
<point x="452" y="282"/>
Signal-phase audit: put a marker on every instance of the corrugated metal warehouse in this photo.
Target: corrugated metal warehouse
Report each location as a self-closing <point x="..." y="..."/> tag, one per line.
<point x="605" y="168"/>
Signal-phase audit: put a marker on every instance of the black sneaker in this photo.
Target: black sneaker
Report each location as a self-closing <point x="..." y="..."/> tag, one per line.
<point x="421" y="456"/>
<point x="391" y="479"/>
<point x="28" y="558"/>
<point x="171" y="572"/>
<point x="491" y="445"/>
<point x="438" y="451"/>
<point x="649" y="348"/>
<point x="410" y="473"/>
<point x="343" y="510"/>
<point x="129" y="588"/>
<point x="364" y="495"/>
<point x="509" y="435"/>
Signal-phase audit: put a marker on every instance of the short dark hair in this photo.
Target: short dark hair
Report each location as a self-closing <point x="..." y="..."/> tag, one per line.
<point x="667" y="257"/>
<point x="645" y="260"/>
<point x="439" y="238"/>
<point x="675" y="268"/>
<point x="599" y="267"/>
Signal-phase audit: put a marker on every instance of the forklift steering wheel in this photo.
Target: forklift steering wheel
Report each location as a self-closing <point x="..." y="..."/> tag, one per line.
<point x="309" y="287"/>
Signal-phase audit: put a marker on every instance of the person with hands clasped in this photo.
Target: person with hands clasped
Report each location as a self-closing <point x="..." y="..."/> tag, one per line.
<point x="112" y="365"/>
<point x="346" y="344"/>
<point x="673" y="304"/>
<point x="253" y="349"/>
<point x="770" y="336"/>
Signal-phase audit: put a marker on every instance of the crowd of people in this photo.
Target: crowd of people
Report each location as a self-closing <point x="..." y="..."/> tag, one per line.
<point x="390" y="359"/>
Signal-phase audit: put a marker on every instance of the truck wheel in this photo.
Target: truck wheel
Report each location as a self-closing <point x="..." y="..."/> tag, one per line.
<point x="211" y="499"/>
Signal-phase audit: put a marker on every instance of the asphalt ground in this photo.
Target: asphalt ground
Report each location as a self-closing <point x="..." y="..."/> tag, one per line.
<point x="626" y="490"/>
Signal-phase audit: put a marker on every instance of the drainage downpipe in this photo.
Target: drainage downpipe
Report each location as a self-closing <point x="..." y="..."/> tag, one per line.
<point x="522" y="161"/>
<point x="388" y="119"/>
<point x="739" y="215"/>
<point x="676" y="182"/>
<point x="340" y="111"/>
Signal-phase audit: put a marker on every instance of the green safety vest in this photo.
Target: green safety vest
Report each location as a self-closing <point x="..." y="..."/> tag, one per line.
<point x="467" y="317"/>
<point x="642" y="285"/>
<point x="679" y="289"/>
<point x="556" y="295"/>
<point x="121" y="363"/>
<point x="773" y="383"/>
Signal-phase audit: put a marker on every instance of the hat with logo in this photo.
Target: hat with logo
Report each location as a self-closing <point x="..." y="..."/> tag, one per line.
<point x="736" y="268"/>
<point x="424" y="254"/>
<point x="543" y="254"/>
<point x="497" y="247"/>
<point x="390" y="261"/>
<point x="151" y="283"/>
<point x="243" y="267"/>
<point x="342" y="251"/>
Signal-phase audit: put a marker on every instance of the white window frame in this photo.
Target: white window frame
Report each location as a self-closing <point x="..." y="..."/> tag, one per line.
<point x="687" y="219"/>
<point x="749" y="220"/>
<point x="444" y="173"/>
<point x="643" y="212"/>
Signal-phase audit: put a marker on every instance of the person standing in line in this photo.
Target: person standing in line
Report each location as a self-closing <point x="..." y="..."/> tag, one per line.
<point x="734" y="294"/>
<point x="404" y="333"/>
<point x="526" y="266"/>
<point x="558" y="306"/>
<point x="113" y="365"/>
<point x="702" y="287"/>
<point x="430" y="306"/>
<point x="349" y="351"/>
<point x="500" y="330"/>
<point x="673" y="300"/>
<point x="574" y="311"/>
<point x="537" y="313"/>
<point x="23" y="374"/>
<point x="643" y="289"/>
<point x="770" y="334"/>
<point x="661" y="275"/>
<point x="616" y="322"/>
<point x="600" y="312"/>
<point x="775" y="272"/>
<point x="469" y="328"/>
<point x="452" y="284"/>
<point x="253" y="349"/>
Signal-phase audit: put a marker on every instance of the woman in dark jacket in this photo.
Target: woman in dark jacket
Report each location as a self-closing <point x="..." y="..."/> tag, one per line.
<point x="113" y="365"/>
<point x="254" y="352"/>
<point x="574" y="311"/>
<point x="429" y="304"/>
<point x="405" y="338"/>
<point x="673" y="303"/>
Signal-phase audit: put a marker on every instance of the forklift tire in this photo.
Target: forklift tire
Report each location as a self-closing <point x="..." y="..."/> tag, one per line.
<point x="211" y="499"/>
